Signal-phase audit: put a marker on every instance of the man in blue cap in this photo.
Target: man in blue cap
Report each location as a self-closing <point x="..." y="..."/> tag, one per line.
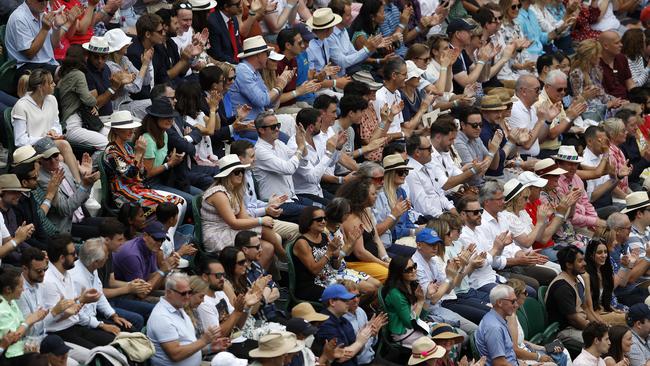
<point x="638" y="319"/>
<point x="335" y="299"/>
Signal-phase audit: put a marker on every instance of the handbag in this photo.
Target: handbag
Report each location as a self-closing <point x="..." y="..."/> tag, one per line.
<point x="90" y="121"/>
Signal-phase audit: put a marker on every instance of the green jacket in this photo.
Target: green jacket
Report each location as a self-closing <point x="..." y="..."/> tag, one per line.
<point x="400" y="316"/>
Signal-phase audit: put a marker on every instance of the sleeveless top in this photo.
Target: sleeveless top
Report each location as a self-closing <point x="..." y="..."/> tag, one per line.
<point x="369" y="244"/>
<point x="304" y="275"/>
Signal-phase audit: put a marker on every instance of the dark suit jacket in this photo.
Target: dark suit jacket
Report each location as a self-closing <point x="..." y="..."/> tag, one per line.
<point x="220" y="45"/>
<point x="222" y="135"/>
<point x="176" y="140"/>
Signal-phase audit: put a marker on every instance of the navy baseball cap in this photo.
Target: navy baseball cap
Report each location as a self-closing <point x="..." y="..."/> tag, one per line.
<point x="459" y="24"/>
<point x="156" y="230"/>
<point x="638" y="312"/>
<point x="54" y="344"/>
<point x="428" y="236"/>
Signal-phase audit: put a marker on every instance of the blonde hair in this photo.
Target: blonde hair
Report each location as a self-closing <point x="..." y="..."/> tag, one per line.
<point x="390" y="188"/>
<point x="518" y="285"/>
<point x="236" y="193"/>
<point x="197" y="284"/>
<point x="514" y="204"/>
<point x="587" y="51"/>
<point x="613" y="126"/>
<point x="269" y="76"/>
<point x="478" y="30"/>
<point x="225" y="67"/>
<point x="350" y="285"/>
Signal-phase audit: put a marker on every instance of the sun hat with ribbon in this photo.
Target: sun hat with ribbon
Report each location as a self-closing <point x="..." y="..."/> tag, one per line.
<point x="252" y="46"/>
<point x="228" y="164"/>
<point x="512" y="188"/>
<point x="123" y="120"/>
<point x="323" y="18"/>
<point x="548" y="167"/>
<point x="275" y="345"/>
<point x="492" y="103"/>
<point x="568" y="153"/>
<point x="198" y="5"/>
<point x="117" y="39"/>
<point x="97" y="45"/>
<point x="635" y="201"/>
<point x="424" y="348"/>
<point x="394" y="162"/>
<point x="25" y="154"/>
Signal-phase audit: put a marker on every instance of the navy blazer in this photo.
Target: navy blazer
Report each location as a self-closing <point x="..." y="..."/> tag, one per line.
<point x="220" y="45"/>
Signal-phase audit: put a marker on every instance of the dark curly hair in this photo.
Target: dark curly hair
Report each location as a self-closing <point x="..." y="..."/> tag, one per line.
<point x="356" y="191"/>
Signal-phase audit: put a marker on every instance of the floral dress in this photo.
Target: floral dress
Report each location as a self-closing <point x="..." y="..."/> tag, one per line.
<point x="597" y="106"/>
<point x="126" y="181"/>
<point x="566" y="234"/>
<point x="369" y="123"/>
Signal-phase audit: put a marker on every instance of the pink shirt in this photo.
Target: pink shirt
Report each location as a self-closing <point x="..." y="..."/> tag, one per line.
<point x="617" y="157"/>
<point x="585" y="213"/>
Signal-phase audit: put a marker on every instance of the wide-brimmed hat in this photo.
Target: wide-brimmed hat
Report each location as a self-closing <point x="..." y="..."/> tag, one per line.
<point x="46" y="147"/>
<point x="512" y="188"/>
<point x="424" y="348"/>
<point x="10" y="183"/>
<point x="412" y="71"/>
<point x="300" y="326"/>
<point x="274" y="56"/>
<point x="198" y="5"/>
<point x="161" y="108"/>
<point x="224" y="358"/>
<point x="25" y="154"/>
<point x="443" y="331"/>
<point x="117" y="39"/>
<point x="228" y="164"/>
<point x="531" y="179"/>
<point x="304" y="310"/>
<point x="492" y="103"/>
<point x="252" y="46"/>
<point x="635" y="201"/>
<point x="395" y="162"/>
<point x="276" y="344"/>
<point x="323" y="18"/>
<point x="122" y="120"/>
<point x="548" y="167"/>
<point x="366" y="78"/>
<point x="568" y="153"/>
<point x="97" y="45"/>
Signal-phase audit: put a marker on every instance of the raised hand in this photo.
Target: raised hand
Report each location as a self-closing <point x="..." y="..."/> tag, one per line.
<point x="89" y="295"/>
<point x="62" y="305"/>
<point x="214" y="98"/>
<point x="175" y="158"/>
<point x="548" y="111"/>
<point x="331" y="70"/>
<point x="576" y="109"/>
<point x="243" y="111"/>
<point x="24" y="232"/>
<point x="376" y="144"/>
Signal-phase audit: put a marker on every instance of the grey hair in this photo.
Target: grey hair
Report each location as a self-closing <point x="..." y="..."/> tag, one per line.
<point x="174" y="278"/>
<point x="489" y="190"/>
<point x="522" y="81"/>
<point x="617" y="220"/>
<point x="259" y="120"/>
<point x="613" y="126"/>
<point x="92" y="251"/>
<point x="500" y="292"/>
<point x="367" y="168"/>
<point x="555" y="75"/>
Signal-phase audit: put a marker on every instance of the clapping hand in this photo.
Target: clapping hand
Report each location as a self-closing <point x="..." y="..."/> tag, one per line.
<point x="243" y="111"/>
<point x="24" y="232"/>
<point x="175" y="158"/>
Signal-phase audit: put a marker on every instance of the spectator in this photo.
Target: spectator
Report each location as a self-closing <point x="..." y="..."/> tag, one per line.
<point x="223" y="24"/>
<point x="469" y="146"/>
<point x="630" y="147"/>
<point x="236" y="284"/>
<point x="365" y="25"/>
<point x="620" y="338"/>
<point x="150" y="33"/>
<point x="293" y="46"/>
<point x="118" y="43"/>
<point x="425" y="191"/>
<point x="67" y="212"/>
<point x="277" y="349"/>
<point x="427" y="351"/>
<point x="493" y="339"/>
<point x="564" y="299"/>
<point x="466" y="73"/>
<point x="447" y="338"/>
<point x="58" y="285"/>
<point x="12" y="235"/>
<point x="596" y="344"/>
<point x="392" y="209"/>
<point x="249" y="87"/>
<point x="395" y="72"/>
<point x="616" y="135"/>
<point x="620" y="82"/>
<point x="635" y="242"/>
<point x="491" y="116"/>
<point x="416" y="101"/>
<point x="633" y="48"/>
<point x="535" y="32"/>
<point x="170" y="328"/>
<point x="56" y="351"/>
<point x="184" y="14"/>
<point x="637" y="319"/>
<point x="358" y="318"/>
<point x="172" y="61"/>
<point x="137" y="258"/>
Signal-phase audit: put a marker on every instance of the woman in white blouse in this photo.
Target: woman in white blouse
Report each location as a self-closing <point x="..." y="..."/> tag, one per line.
<point x="36" y="115"/>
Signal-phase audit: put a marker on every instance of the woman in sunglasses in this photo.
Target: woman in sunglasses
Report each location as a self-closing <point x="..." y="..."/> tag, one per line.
<point x="405" y="302"/>
<point x="223" y="213"/>
<point x="393" y="210"/>
<point x="616" y="134"/>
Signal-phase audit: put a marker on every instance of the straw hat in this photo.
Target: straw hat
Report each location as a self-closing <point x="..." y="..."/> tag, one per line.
<point x="635" y="201"/>
<point x="323" y="18"/>
<point x="443" y="331"/>
<point x="512" y="188"/>
<point x="568" y="153"/>
<point x="424" y="348"/>
<point x="123" y="120"/>
<point x="394" y="162"/>
<point x="252" y="46"/>
<point x="198" y="5"/>
<point x="228" y="164"/>
<point x="97" y="45"/>
<point x="10" y="183"/>
<point x="492" y="103"/>
<point x="548" y="167"/>
<point x="304" y="310"/>
<point x="276" y="344"/>
<point x="366" y="78"/>
<point x="25" y="154"/>
<point x="117" y="39"/>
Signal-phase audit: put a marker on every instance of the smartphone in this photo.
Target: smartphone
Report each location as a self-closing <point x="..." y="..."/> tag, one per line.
<point x="414" y="285"/>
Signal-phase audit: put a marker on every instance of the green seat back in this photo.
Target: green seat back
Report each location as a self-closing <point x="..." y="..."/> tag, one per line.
<point x="8" y="76"/>
<point x="292" y="279"/>
<point x="7" y="133"/>
<point x="535" y="316"/>
<point x="523" y="321"/>
<point x="107" y="199"/>
<point x="3" y="32"/>
<point x="197" y="201"/>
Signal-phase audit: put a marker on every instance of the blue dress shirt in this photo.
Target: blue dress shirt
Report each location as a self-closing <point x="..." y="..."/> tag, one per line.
<point x="249" y="88"/>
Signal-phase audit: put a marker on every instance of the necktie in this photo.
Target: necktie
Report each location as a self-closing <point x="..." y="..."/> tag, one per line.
<point x="233" y="39"/>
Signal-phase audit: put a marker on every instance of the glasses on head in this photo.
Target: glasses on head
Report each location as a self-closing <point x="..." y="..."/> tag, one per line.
<point x="474" y="125"/>
<point x="475" y="212"/>
<point x="184" y="293"/>
<point x="515" y="6"/>
<point x="238" y="172"/>
<point x="410" y="269"/>
<point x="187" y="6"/>
<point x="218" y="275"/>
<point x="402" y="172"/>
<point x="273" y="127"/>
<point x="318" y="219"/>
<point x="53" y="156"/>
<point x="241" y="262"/>
<point x="256" y="247"/>
<point x="428" y="148"/>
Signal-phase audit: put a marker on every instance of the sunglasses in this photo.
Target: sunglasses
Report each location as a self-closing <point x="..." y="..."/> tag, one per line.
<point x="378" y="180"/>
<point x="429" y="148"/>
<point x="241" y="262"/>
<point x="257" y="247"/>
<point x="183" y="293"/>
<point x="237" y="4"/>
<point x="412" y="268"/>
<point x="560" y="90"/>
<point x="515" y="6"/>
<point x="273" y="127"/>
<point x="218" y="275"/>
<point x="230" y="79"/>
<point x="238" y="172"/>
<point x="474" y="125"/>
<point x="475" y="212"/>
<point x="511" y="301"/>
<point x="402" y="172"/>
<point x="496" y="19"/>
<point x="319" y="219"/>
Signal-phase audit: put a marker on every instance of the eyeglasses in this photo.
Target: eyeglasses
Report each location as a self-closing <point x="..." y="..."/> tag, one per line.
<point x="187" y="6"/>
<point x="273" y="127"/>
<point x="474" y="125"/>
<point x="511" y="301"/>
<point x="515" y="6"/>
<point x="560" y="90"/>
<point x="319" y="219"/>
<point x="53" y="156"/>
<point x="425" y="59"/>
<point x="183" y="293"/>
<point x="241" y="262"/>
<point x="410" y="269"/>
<point x="218" y="275"/>
<point x="257" y="247"/>
<point x="160" y="31"/>
<point x="537" y="89"/>
<point x="402" y="172"/>
<point x="428" y="148"/>
<point x="475" y="212"/>
<point x="238" y="172"/>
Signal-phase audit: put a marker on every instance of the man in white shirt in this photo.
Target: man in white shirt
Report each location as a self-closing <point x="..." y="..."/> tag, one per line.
<point x="92" y="256"/>
<point x="394" y="79"/>
<point x="526" y="116"/>
<point x="596" y="339"/>
<point x="275" y="165"/>
<point x="57" y="285"/>
<point x="425" y="193"/>
<point x="185" y="31"/>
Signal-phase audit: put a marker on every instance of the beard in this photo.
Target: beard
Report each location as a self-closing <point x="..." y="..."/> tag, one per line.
<point x="218" y="287"/>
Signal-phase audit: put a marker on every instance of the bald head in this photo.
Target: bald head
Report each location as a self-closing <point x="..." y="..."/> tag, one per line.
<point x="527" y="89"/>
<point x="611" y="42"/>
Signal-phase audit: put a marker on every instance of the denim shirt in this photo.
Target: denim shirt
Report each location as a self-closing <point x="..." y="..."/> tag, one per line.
<point x="531" y="29"/>
<point x="404" y="224"/>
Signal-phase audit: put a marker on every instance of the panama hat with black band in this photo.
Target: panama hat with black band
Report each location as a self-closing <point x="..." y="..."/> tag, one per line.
<point x="323" y="18"/>
<point x="228" y="164"/>
<point x="253" y="46"/>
